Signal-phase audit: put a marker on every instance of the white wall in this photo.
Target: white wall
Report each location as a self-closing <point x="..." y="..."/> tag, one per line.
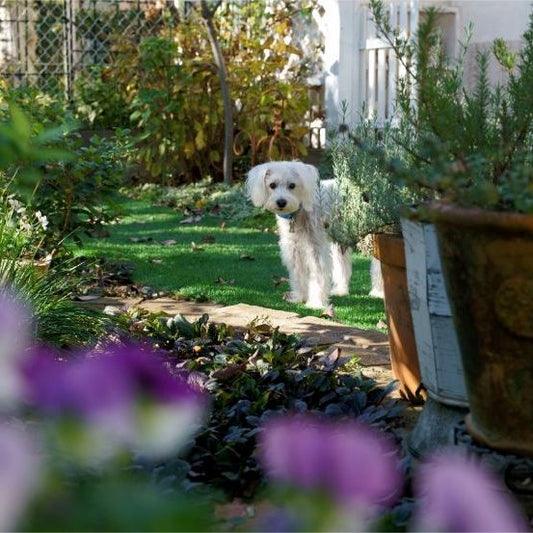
<point x="342" y="28"/>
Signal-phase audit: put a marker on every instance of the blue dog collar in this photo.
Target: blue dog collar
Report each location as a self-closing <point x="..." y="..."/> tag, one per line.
<point x="289" y="216"/>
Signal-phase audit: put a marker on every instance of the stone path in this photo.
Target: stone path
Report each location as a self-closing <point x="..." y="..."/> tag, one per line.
<point x="371" y="347"/>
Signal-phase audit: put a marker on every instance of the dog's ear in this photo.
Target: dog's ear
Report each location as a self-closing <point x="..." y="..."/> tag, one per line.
<point x="255" y="185"/>
<point x="310" y="177"/>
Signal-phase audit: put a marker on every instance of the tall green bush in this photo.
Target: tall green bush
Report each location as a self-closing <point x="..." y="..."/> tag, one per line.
<point x="473" y="147"/>
<point x="369" y="202"/>
<point x="172" y="90"/>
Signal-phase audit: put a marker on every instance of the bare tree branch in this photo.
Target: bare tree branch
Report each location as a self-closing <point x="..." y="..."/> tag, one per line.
<point x="207" y="15"/>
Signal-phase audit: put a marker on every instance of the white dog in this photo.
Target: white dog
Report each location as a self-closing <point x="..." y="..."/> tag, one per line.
<point x="293" y="191"/>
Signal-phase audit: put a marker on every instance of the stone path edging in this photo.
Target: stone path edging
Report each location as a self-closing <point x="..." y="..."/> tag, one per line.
<point x="371" y="347"/>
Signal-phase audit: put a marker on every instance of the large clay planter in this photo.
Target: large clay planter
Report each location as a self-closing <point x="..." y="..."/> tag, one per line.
<point x="389" y="249"/>
<point x="438" y="350"/>
<point x="488" y="265"/>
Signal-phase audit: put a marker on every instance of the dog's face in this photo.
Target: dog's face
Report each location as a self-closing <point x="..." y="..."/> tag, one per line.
<point x="283" y="187"/>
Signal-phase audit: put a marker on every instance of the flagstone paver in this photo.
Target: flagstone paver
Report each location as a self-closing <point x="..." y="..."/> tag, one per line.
<point x="371" y="347"/>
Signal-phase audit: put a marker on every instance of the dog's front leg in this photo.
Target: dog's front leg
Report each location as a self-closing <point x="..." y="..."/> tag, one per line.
<point x="318" y="283"/>
<point x="292" y="260"/>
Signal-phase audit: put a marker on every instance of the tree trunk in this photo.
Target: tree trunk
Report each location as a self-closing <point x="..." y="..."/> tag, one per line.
<point x="207" y="15"/>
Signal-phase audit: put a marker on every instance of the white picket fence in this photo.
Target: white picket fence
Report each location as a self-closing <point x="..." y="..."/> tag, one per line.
<point x="379" y="66"/>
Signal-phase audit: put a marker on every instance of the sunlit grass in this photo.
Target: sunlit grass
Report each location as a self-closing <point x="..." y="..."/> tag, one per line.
<point x="226" y="265"/>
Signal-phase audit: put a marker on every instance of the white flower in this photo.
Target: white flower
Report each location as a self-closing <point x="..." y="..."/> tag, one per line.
<point x="15" y="204"/>
<point x="43" y="220"/>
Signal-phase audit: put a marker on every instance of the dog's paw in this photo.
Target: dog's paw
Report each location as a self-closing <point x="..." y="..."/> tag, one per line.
<point x="316" y="304"/>
<point x="339" y="291"/>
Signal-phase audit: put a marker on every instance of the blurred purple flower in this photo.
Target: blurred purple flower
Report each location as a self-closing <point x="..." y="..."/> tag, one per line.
<point x="126" y="395"/>
<point x="351" y="462"/>
<point x="15" y="338"/>
<point x="455" y="494"/>
<point x="19" y="473"/>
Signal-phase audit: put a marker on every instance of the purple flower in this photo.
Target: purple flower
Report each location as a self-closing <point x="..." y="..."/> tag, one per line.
<point x="15" y="337"/>
<point x="455" y="494"/>
<point x="19" y="474"/>
<point x="351" y="462"/>
<point x="125" y="397"/>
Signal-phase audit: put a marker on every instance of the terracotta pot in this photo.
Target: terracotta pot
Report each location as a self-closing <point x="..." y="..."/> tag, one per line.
<point x="389" y="249"/>
<point x="488" y="265"/>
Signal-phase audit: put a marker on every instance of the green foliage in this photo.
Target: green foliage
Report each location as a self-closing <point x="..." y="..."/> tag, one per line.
<point x="70" y="177"/>
<point x="59" y="321"/>
<point x="251" y="377"/>
<point x="172" y="91"/>
<point x="99" y="100"/>
<point x="23" y="151"/>
<point x="369" y="201"/>
<point x="79" y="194"/>
<point x="472" y="147"/>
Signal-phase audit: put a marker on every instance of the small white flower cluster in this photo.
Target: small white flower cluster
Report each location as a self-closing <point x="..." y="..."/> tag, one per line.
<point x="43" y="220"/>
<point x="24" y="217"/>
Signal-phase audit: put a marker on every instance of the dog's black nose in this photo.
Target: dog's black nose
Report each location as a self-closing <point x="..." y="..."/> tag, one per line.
<point x="281" y="203"/>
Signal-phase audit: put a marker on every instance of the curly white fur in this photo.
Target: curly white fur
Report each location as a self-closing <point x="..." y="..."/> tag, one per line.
<point x="302" y="202"/>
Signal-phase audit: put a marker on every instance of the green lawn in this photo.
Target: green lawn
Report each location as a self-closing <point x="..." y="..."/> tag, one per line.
<point x="224" y="265"/>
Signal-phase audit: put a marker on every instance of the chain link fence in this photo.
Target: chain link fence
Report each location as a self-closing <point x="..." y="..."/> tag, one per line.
<point x="48" y="43"/>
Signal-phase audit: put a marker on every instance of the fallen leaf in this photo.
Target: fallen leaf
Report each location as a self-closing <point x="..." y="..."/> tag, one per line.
<point x="246" y="257"/>
<point x="328" y="313"/>
<point x="191" y="219"/>
<point x="381" y="324"/>
<point x="196" y="248"/>
<point x="229" y="372"/>
<point x="278" y="280"/>
<point x="86" y="297"/>
<point x="169" y="242"/>
<point x="140" y="239"/>
<point x="156" y="261"/>
<point x="200" y="203"/>
<point x="222" y="225"/>
<point x="222" y="281"/>
<point x="208" y="238"/>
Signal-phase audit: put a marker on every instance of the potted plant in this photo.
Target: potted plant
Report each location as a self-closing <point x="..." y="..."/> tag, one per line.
<point x="370" y="204"/>
<point x="474" y="154"/>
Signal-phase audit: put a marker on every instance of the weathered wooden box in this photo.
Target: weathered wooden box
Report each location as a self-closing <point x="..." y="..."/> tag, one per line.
<point x="436" y="341"/>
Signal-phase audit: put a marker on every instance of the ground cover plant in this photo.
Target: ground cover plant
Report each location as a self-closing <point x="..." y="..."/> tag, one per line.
<point x="116" y="422"/>
<point x="205" y="249"/>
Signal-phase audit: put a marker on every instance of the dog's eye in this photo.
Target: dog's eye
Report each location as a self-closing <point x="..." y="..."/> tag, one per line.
<point x="292" y="185"/>
<point x="273" y="185"/>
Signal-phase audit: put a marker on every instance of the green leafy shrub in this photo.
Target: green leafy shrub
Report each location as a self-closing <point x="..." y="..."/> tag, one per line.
<point x="81" y="193"/>
<point x="472" y="147"/>
<point x="42" y="109"/>
<point x="369" y="202"/>
<point x="70" y="177"/>
<point x="99" y="100"/>
<point x="172" y="91"/>
<point x="251" y="377"/>
<point x="59" y="321"/>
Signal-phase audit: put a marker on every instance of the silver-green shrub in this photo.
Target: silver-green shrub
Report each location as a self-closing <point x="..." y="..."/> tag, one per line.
<point x="369" y="201"/>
